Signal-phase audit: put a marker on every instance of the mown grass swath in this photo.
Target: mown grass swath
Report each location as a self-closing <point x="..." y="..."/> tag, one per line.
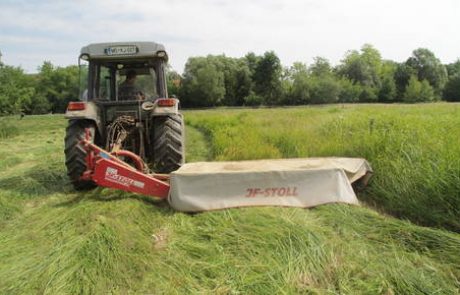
<point x="54" y="240"/>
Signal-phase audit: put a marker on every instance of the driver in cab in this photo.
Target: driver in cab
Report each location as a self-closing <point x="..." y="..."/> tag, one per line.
<point x="128" y="89"/>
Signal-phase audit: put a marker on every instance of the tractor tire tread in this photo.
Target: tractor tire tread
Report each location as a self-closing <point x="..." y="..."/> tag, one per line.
<point x="168" y="143"/>
<point x="75" y="154"/>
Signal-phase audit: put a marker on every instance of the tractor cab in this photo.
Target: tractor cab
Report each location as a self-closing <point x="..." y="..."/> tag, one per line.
<point x="106" y="67"/>
<point x="117" y="79"/>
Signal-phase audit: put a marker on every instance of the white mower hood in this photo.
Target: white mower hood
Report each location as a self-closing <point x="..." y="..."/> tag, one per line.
<point x="308" y="182"/>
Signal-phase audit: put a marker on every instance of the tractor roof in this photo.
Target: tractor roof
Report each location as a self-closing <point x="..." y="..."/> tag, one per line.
<point x="124" y="50"/>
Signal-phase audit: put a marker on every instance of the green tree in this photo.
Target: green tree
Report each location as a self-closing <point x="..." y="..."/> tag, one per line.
<point x="362" y="67"/>
<point x="349" y="91"/>
<point x="300" y="90"/>
<point x="252" y="60"/>
<point x="173" y="81"/>
<point x="253" y="99"/>
<point x="402" y="75"/>
<point x="59" y="85"/>
<point x="229" y="85"/>
<point x="203" y="83"/>
<point x="428" y="67"/>
<point x="388" y="89"/>
<point x="417" y="91"/>
<point x="452" y="89"/>
<point x="453" y="69"/>
<point x="267" y="78"/>
<point x="387" y="92"/>
<point x="368" y="94"/>
<point x="324" y="90"/>
<point x="323" y="84"/>
<point x="237" y="79"/>
<point x="320" y="67"/>
<point x="16" y="90"/>
<point x="244" y="82"/>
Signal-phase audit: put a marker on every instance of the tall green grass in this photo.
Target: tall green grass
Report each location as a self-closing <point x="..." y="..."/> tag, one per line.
<point x="414" y="150"/>
<point x="54" y="240"/>
<point x="8" y="127"/>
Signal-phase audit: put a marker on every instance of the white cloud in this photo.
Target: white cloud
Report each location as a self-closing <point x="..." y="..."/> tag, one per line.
<point x="297" y="30"/>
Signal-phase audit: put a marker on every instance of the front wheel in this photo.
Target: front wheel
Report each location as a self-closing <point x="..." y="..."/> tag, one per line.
<point x="168" y="143"/>
<point x="75" y="154"/>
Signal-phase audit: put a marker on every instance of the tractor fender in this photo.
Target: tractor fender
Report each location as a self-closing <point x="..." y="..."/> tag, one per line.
<point x="165" y="111"/>
<point x="90" y="113"/>
<point x="158" y="109"/>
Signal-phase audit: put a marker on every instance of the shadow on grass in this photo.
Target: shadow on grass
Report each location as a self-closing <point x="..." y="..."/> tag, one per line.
<point x="107" y="195"/>
<point x="44" y="180"/>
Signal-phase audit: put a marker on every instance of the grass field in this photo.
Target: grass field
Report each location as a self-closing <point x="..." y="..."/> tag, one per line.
<point x="415" y="150"/>
<point x="54" y="240"/>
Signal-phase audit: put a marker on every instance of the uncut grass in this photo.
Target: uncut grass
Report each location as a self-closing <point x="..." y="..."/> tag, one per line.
<point x="6" y="128"/>
<point x="56" y="241"/>
<point x="414" y="150"/>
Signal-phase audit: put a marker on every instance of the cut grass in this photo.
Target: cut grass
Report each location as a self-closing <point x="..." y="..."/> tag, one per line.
<point x="56" y="241"/>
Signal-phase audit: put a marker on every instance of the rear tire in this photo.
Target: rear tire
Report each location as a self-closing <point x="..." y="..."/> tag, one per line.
<point x="75" y="154"/>
<point x="168" y="143"/>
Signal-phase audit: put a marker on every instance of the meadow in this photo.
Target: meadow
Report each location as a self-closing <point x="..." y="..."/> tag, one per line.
<point x="404" y="239"/>
<point x="415" y="150"/>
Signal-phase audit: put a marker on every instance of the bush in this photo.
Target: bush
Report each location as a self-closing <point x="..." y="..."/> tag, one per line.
<point x="16" y="90"/>
<point x="324" y="90"/>
<point x="301" y="90"/>
<point x="349" y="92"/>
<point x="387" y="92"/>
<point x="452" y="89"/>
<point x="253" y="99"/>
<point x="39" y="105"/>
<point x="368" y="94"/>
<point x="417" y="91"/>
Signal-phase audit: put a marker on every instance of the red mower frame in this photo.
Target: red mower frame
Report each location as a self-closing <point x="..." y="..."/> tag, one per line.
<point x="107" y="170"/>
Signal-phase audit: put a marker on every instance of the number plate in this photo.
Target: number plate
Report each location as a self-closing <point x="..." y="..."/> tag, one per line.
<point x="121" y="50"/>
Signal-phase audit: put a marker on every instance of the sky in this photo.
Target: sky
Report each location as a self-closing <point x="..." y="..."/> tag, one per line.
<point x="297" y="30"/>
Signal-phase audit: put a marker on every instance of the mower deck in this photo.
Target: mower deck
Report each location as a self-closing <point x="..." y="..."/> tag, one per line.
<point x="303" y="183"/>
<point x="208" y="186"/>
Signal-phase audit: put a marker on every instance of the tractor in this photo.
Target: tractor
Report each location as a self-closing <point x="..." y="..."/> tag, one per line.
<point x="124" y="106"/>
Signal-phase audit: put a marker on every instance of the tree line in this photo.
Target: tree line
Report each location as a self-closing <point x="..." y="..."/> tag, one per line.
<point x="362" y="76"/>
<point x="49" y="90"/>
<point x="255" y="80"/>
